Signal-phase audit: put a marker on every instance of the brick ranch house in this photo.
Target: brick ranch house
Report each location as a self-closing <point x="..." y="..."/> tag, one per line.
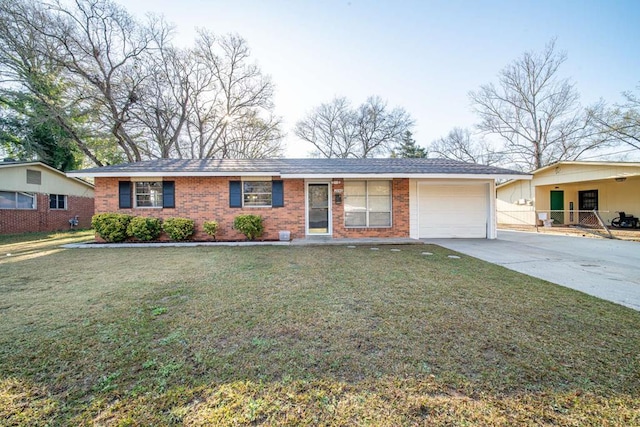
<point x="37" y="197"/>
<point x="333" y="198"/>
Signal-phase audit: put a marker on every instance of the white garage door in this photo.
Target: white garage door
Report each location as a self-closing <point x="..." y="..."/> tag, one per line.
<point x="452" y="211"/>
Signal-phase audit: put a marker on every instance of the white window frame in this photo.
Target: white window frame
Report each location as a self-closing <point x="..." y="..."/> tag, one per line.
<point x="15" y="200"/>
<point x="245" y="194"/>
<point x="367" y="203"/>
<point x="156" y="201"/>
<point x="57" y="200"/>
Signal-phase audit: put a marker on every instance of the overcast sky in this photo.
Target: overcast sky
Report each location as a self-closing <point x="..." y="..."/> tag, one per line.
<point x="424" y="56"/>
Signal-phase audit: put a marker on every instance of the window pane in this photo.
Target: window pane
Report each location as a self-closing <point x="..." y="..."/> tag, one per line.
<point x="379" y="203"/>
<point x="148" y="194"/>
<point x="379" y="188"/>
<point x="379" y="219"/>
<point x="257" y="186"/>
<point x="355" y="219"/>
<point x="7" y="200"/>
<point x="26" y="201"/>
<point x="355" y="188"/>
<point x="257" y="199"/>
<point x="367" y="203"/>
<point x="257" y="193"/>
<point x="57" y="201"/>
<point x="355" y="199"/>
<point x="355" y="203"/>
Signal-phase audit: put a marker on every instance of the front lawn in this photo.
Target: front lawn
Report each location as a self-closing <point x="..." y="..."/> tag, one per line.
<point x="323" y="335"/>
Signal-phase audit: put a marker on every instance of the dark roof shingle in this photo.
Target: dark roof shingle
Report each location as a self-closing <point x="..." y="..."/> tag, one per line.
<point x="301" y="167"/>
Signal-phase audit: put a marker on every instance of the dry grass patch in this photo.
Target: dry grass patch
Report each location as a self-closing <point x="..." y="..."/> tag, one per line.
<point x="306" y="335"/>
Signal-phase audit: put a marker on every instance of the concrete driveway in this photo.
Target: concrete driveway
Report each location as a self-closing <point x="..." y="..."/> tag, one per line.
<point x="607" y="269"/>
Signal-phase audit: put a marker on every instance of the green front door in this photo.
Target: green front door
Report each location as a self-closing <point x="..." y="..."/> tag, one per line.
<point x="557" y="204"/>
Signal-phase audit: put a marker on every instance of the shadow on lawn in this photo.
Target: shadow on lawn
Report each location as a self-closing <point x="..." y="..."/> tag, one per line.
<point x="21" y="247"/>
<point x="161" y="376"/>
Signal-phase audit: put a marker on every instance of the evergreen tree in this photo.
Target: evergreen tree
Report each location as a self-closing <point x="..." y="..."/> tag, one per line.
<point x="409" y="149"/>
<point x="28" y="132"/>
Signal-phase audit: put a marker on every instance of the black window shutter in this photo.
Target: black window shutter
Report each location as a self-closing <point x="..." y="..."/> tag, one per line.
<point x="168" y="194"/>
<point x="277" y="194"/>
<point x="235" y="194"/>
<point x="124" y="192"/>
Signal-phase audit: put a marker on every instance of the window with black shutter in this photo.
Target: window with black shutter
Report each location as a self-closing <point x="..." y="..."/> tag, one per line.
<point x="277" y="198"/>
<point x="168" y="194"/>
<point x="124" y="194"/>
<point x="235" y="194"/>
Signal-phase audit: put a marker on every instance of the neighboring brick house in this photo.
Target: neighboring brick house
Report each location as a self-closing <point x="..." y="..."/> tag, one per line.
<point x="37" y="197"/>
<point x="339" y="198"/>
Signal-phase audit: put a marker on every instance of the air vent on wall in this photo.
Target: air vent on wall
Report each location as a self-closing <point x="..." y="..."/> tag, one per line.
<point x="34" y="177"/>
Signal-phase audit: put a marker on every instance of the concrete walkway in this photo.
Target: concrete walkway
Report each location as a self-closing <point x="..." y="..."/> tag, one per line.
<point x="607" y="269"/>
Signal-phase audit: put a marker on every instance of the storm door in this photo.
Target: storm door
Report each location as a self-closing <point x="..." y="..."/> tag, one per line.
<point x="587" y="203"/>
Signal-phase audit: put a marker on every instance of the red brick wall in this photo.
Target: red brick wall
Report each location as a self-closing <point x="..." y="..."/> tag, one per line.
<point x="45" y="219"/>
<point x="399" y="215"/>
<point x="207" y="198"/>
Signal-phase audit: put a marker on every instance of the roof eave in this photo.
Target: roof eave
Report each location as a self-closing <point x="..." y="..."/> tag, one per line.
<point x="152" y="174"/>
<point x="52" y="169"/>
<point x="586" y="163"/>
<point x="406" y="175"/>
<point x="328" y="175"/>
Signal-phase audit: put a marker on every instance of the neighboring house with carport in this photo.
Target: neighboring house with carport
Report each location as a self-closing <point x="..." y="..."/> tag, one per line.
<point x="332" y="198"/>
<point x="569" y="191"/>
<point x="37" y="197"/>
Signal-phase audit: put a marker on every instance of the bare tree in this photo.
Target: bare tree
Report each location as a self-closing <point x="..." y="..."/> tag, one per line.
<point x="536" y="112"/>
<point x="337" y="130"/>
<point x="331" y="129"/>
<point x="253" y="137"/>
<point x="231" y="112"/>
<point x="101" y="47"/>
<point x="380" y="130"/>
<point x="162" y="108"/>
<point x="125" y="77"/>
<point x="459" y="145"/>
<point x="621" y="123"/>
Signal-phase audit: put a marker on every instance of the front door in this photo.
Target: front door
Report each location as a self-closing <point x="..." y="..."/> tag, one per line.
<point x="318" y="204"/>
<point x="588" y="201"/>
<point x="557" y="204"/>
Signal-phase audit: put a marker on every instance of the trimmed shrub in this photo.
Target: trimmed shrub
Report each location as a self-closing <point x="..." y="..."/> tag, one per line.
<point x="112" y="227"/>
<point x="211" y="228"/>
<point x="178" y="228"/>
<point x="249" y="225"/>
<point x="145" y="228"/>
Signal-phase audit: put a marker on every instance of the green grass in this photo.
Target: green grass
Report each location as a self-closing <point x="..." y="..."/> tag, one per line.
<point x="302" y="336"/>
